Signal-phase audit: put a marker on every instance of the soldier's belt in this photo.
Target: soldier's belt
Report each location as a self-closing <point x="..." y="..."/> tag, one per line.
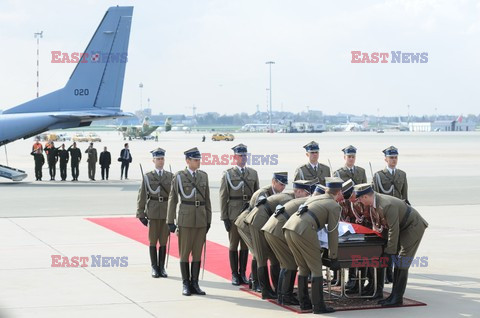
<point x="159" y="199"/>
<point x="405" y="218"/>
<point x="244" y="197"/>
<point x="314" y="218"/>
<point x="195" y="203"/>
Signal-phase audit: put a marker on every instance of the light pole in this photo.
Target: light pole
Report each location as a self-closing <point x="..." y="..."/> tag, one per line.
<point x="141" y="99"/>
<point x="270" y="89"/>
<point x="408" y="107"/>
<point x="38" y="36"/>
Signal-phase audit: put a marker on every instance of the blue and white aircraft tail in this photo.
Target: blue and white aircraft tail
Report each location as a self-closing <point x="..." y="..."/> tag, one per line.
<point x="93" y="91"/>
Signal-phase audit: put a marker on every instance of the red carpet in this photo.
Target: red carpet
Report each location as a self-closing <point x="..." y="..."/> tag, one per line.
<point x="217" y="260"/>
<point x="217" y="255"/>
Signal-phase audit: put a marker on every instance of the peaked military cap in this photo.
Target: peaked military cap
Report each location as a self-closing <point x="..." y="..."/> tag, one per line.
<point x="281" y="177"/>
<point x="193" y="153"/>
<point x="362" y="189"/>
<point x="350" y="150"/>
<point x="240" y="149"/>
<point x="390" y="151"/>
<point x="158" y="153"/>
<point x="333" y="182"/>
<point x="312" y="146"/>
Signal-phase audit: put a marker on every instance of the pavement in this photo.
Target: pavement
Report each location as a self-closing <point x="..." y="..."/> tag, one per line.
<point x="41" y="219"/>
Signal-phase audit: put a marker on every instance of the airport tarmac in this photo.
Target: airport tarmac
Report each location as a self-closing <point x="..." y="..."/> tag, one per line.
<point x="39" y="219"/>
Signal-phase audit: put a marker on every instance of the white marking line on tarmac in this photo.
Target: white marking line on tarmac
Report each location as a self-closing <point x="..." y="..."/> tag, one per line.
<point x="84" y="268"/>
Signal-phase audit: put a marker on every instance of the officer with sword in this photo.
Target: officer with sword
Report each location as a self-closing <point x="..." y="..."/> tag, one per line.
<point x="152" y="210"/>
<point x="190" y="188"/>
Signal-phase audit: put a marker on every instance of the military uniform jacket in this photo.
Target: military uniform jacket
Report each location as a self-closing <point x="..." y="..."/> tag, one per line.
<point x="260" y="215"/>
<point x="326" y="211"/>
<point x="306" y="172"/>
<point x="91" y="155"/>
<point x="396" y="185"/>
<point x="393" y="211"/>
<point x="236" y="191"/>
<point x="359" y="176"/>
<point x="195" y="210"/>
<point x="277" y="221"/>
<point x="263" y="191"/>
<point x="152" y="200"/>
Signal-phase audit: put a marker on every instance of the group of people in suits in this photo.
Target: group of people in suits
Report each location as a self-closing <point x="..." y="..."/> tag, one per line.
<point x="279" y="227"/>
<point x="74" y="155"/>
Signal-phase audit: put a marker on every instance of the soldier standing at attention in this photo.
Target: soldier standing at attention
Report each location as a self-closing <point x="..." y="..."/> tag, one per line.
<point x="152" y="210"/>
<point x="313" y="169"/>
<point x="63" y="156"/>
<point x="236" y="189"/>
<point x="92" y="159"/>
<point x="350" y="171"/>
<point x="75" y="158"/>
<point x="194" y="218"/>
<point x="301" y="234"/>
<point x="391" y="181"/>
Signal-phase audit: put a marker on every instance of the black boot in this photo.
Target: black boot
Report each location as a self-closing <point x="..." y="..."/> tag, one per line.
<point x="395" y="274"/>
<point x="350" y="285"/>
<point x="263" y="280"/>
<point x="319" y="306"/>
<point x="389" y="274"/>
<point x="184" y="268"/>
<point x="281" y="291"/>
<point x="162" y="253"/>
<point x="255" y="284"/>
<point x="153" y="260"/>
<point x="287" y="288"/>
<point x="195" y="289"/>
<point x="303" y="298"/>
<point x="400" y="284"/>
<point x="243" y="259"/>
<point x="380" y="283"/>
<point x="336" y="281"/>
<point x="233" y="256"/>
<point x="274" y="274"/>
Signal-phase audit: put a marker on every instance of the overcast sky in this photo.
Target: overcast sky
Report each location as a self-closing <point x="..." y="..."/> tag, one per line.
<point x="212" y="54"/>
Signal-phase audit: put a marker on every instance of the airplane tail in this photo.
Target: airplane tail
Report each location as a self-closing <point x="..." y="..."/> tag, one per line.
<point x="97" y="80"/>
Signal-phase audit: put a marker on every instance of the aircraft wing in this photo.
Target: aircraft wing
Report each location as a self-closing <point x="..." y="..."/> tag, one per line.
<point x="93" y="115"/>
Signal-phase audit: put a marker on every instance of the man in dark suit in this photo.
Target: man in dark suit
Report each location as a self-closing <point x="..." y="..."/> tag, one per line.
<point x="125" y="158"/>
<point x="105" y="161"/>
<point x="64" y="157"/>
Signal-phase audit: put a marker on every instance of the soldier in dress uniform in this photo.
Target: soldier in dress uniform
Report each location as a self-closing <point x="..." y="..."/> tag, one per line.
<point x="391" y="181"/>
<point x="193" y="220"/>
<point x="276" y="186"/>
<point x="405" y="231"/>
<point x="256" y="219"/>
<point x="276" y="240"/>
<point x="301" y="235"/>
<point x="237" y="186"/>
<point x="92" y="161"/>
<point x="350" y="171"/>
<point x="152" y="203"/>
<point x="313" y="169"/>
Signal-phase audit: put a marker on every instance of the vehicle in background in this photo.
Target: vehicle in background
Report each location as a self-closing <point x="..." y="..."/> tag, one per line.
<point x="220" y="137"/>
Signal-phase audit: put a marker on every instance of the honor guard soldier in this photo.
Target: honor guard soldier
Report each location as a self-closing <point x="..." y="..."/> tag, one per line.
<point x="193" y="220"/>
<point x="301" y="235"/>
<point x="152" y="204"/>
<point x="313" y="169"/>
<point x="256" y="219"/>
<point x="350" y="171"/>
<point x="405" y="231"/>
<point x="236" y="189"/>
<point x="391" y="181"/>
<point x="276" y="186"/>
<point x="276" y="240"/>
